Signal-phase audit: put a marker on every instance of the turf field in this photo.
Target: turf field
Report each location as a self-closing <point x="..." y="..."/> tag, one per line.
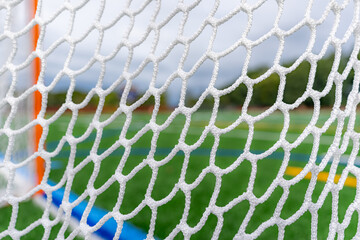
<point x="233" y="184"/>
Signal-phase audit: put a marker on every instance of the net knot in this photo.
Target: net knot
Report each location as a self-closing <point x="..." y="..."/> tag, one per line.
<point x="11" y="100"/>
<point x="184" y="187"/>
<point x="68" y="6"/>
<point x="85" y="229"/>
<point x="98" y="26"/>
<point x="91" y="191"/>
<point x="124" y="108"/>
<point x="41" y="121"/>
<point x="212" y="21"/>
<point x="119" y="177"/>
<point x="182" y="40"/>
<point x="182" y="74"/>
<point x="182" y="7"/>
<point x="212" y="55"/>
<point x="39" y="20"/>
<point x="9" y="34"/>
<point x="11" y="67"/>
<point x="150" y="201"/>
<point x="152" y="58"/>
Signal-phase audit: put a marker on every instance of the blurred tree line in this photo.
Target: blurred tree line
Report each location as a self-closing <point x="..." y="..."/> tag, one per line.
<point x="112" y="100"/>
<point x="55" y="100"/>
<point x="264" y="93"/>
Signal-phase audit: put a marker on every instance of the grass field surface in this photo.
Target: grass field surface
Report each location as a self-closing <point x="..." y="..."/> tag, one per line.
<point x="234" y="184"/>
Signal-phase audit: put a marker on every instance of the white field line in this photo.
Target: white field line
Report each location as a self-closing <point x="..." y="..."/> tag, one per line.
<point x="259" y="135"/>
<point x="344" y="159"/>
<point x="326" y="140"/>
<point x="237" y="133"/>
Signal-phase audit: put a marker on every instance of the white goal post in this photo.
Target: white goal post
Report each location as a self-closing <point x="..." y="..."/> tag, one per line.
<point x="77" y="99"/>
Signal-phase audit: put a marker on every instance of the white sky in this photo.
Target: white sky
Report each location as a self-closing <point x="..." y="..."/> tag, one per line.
<point x="228" y="33"/>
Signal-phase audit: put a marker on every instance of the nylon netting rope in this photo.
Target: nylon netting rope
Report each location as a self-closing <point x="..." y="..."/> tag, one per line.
<point x="343" y="115"/>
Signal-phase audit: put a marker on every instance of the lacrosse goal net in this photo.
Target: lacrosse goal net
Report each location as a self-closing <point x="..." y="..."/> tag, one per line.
<point x="157" y="49"/>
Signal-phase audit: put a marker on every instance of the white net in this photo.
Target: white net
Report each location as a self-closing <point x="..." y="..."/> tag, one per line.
<point x="75" y="54"/>
<point x="13" y="84"/>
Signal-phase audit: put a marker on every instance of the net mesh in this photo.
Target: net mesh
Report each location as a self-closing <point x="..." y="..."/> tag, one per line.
<point x="21" y="146"/>
<point x="342" y="114"/>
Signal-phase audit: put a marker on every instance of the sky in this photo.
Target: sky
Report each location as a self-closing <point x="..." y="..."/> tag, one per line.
<point x="228" y="33"/>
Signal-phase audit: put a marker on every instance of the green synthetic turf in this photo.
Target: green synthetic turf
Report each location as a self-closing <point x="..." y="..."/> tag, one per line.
<point x="28" y="213"/>
<point x="234" y="184"/>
